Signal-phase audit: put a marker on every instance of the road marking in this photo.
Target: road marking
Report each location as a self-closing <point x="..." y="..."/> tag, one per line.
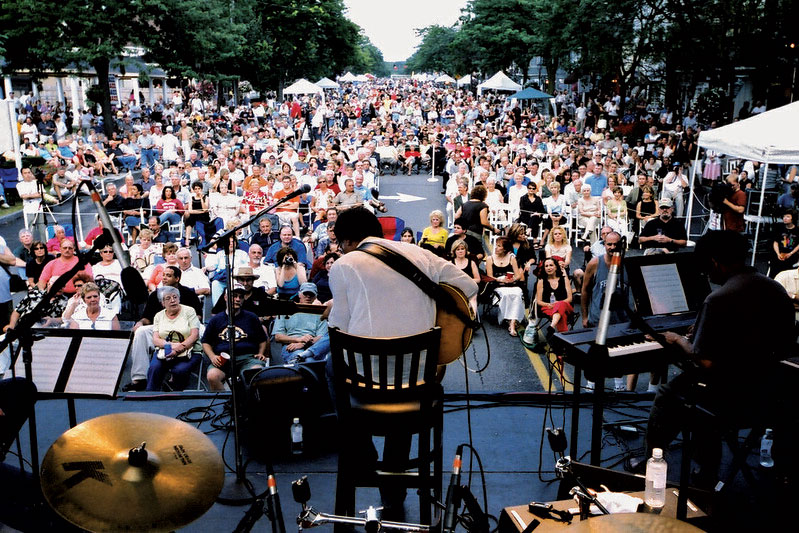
<point x="402" y="197"/>
<point x="542" y="369"/>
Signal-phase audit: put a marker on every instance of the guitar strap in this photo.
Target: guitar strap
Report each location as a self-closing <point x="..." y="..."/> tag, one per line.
<point x="402" y="265"/>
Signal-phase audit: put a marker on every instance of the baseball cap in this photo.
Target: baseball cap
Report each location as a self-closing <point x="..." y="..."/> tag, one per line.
<point x="308" y="287"/>
<point x="666" y="202"/>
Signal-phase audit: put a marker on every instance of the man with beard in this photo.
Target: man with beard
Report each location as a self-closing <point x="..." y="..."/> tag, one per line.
<point x="663" y="234"/>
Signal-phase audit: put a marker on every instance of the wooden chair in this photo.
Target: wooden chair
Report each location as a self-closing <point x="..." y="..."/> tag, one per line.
<point x="387" y="387"/>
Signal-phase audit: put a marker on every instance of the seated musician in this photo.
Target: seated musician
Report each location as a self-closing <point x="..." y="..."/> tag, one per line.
<point x="303" y="335"/>
<point x="251" y="343"/>
<point x="723" y="357"/>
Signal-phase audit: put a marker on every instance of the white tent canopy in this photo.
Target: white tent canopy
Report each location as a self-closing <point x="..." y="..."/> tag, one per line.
<point x="327" y="83"/>
<point x="466" y="80"/>
<point x="361" y="78"/>
<point x="767" y="137"/>
<point x="302" y="86"/>
<point x="500" y="82"/>
<point x="445" y="78"/>
<point x="349" y="76"/>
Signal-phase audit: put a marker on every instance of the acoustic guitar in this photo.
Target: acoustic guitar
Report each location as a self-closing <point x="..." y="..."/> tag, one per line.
<point x="456" y="334"/>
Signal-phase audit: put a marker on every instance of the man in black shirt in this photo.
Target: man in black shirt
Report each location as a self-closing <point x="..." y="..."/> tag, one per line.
<point x="143" y="331"/>
<point x="665" y="233"/>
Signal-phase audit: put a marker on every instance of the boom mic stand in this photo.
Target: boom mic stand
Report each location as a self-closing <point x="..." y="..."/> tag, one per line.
<point x="238" y="490"/>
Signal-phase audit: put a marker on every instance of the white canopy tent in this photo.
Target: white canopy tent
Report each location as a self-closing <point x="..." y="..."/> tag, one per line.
<point x="499" y="82"/>
<point x="445" y="78"/>
<point x="466" y="80"/>
<point x="303" y="86"/>
<point x="769" y="138"/>
<point x="327" y="83"/>
<point x="348" y="77"/>
<point x="361" y="78"/>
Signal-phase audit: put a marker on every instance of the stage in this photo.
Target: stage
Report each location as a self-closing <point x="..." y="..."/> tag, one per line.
<point x="506" y="430"/>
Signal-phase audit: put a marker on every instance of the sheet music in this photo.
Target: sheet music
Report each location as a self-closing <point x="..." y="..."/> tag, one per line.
<point x="664" y="288"/>
<point x="49" y="355"/>
<point x="97" y="366"/>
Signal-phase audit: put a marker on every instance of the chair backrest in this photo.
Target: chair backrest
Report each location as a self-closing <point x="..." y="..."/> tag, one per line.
<point x="69" y="231"/>
<point x="392" y="227"/>
<point x="384" y="369"/>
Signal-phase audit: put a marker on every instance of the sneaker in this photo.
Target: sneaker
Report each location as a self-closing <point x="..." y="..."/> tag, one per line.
<point x="619" y="385"/>
<point x="137" y="385"/>
<point x="5" y="205"/>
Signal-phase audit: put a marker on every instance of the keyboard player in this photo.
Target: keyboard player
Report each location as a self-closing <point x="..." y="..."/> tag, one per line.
<point x="746" y="324"/>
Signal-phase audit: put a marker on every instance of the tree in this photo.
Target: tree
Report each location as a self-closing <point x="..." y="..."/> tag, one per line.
<point x="297" y="38"/>
<point x="434" y="53"/>
<point x="53" y="35"/>
<point x="554" y="36"/>
<point x="501" y="31"/>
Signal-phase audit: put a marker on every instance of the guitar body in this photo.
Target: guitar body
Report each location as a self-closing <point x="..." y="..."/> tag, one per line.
<point x="456" y="335"/>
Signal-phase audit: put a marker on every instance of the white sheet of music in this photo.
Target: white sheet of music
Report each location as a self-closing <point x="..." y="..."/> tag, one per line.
<point x="663" y="285"/>
<point x="97" y="366"/>
<point x="48" y="359"/>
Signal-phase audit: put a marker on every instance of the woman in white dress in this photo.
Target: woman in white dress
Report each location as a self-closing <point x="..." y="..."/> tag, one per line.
<point x="502" y="266"/>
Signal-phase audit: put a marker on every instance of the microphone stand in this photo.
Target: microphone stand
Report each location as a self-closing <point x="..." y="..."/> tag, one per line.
<point x="238" y="490"/>
<point x="598" y="353"/>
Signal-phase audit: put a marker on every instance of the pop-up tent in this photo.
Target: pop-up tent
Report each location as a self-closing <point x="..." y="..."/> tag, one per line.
<point x="444" y="78"/>
<point x="499" y="82"/>
<point x="768" y="137"/>
<point x="327" y="83"/>
<point x="349" y="76"/>
<point x="466" y="80"/>
<point x="531" y="94"/>
<point x="302" y="86"/>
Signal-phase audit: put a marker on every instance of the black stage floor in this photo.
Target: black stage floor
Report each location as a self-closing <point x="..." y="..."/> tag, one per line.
<point x="505" y="429"/>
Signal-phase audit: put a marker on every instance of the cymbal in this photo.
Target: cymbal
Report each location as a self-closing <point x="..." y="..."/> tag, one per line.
<point x="90" y="478"/>
<point x="633" y="523"/>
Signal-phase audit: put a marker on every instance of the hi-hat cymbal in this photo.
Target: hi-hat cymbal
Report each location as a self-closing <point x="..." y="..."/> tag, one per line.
<point x="633" y="523"/>
<point x="89" y="479"/>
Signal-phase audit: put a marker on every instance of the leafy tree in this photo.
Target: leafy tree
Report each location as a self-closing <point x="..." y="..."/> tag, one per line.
<point x="297" y="38"/>
<point x="434" y="53"/>
<point x="51" y="35"/>
<point x="501" y="31"/>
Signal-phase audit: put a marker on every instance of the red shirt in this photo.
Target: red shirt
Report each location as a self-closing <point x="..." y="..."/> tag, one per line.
<point x="53" y="269"/>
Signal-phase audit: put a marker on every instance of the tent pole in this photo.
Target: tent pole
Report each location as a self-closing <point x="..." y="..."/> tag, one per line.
<point x="759" y="212"/>
<point x="691" y="194"/>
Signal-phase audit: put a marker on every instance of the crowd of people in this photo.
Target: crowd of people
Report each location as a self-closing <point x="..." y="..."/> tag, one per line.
<point x="521" y="192"/>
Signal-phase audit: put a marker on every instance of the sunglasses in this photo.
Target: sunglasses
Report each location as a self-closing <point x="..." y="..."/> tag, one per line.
<point x="39" y="248"/>
<point x="106" y="251"/>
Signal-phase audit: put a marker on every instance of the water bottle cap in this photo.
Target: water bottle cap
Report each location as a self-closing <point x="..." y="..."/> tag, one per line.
<point x="657" y="453"/>
<point x="296" y="420"/>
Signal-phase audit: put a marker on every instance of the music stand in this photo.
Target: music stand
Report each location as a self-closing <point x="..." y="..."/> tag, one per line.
<point x="90" y="367"/>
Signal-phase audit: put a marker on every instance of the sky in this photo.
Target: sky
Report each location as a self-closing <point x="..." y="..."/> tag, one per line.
<point x="390" y="25"/>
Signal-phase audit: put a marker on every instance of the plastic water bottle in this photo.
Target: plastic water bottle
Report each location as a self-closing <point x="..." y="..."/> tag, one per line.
<point x="655" y="493"/>
<point x="766" y="461"/>
<point x="296" y="437"/>
<point x="552" y="299"/>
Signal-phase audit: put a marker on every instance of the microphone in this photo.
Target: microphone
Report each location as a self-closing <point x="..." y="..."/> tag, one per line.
<point x="610" y="288"/>
<point x="453" y="494"/>
<point x="132" y="282"/>
<point x="304" y="189"/>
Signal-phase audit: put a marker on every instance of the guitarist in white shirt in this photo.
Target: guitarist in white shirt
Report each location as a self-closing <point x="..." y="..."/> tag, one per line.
<point x="373" y="300"/>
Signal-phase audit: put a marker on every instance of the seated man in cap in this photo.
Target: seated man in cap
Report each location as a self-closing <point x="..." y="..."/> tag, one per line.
<point x="303" y="335"/>
<point x="251" y="344"/>
<point x="255" y="298"/>
<point x="665" y="233"/>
